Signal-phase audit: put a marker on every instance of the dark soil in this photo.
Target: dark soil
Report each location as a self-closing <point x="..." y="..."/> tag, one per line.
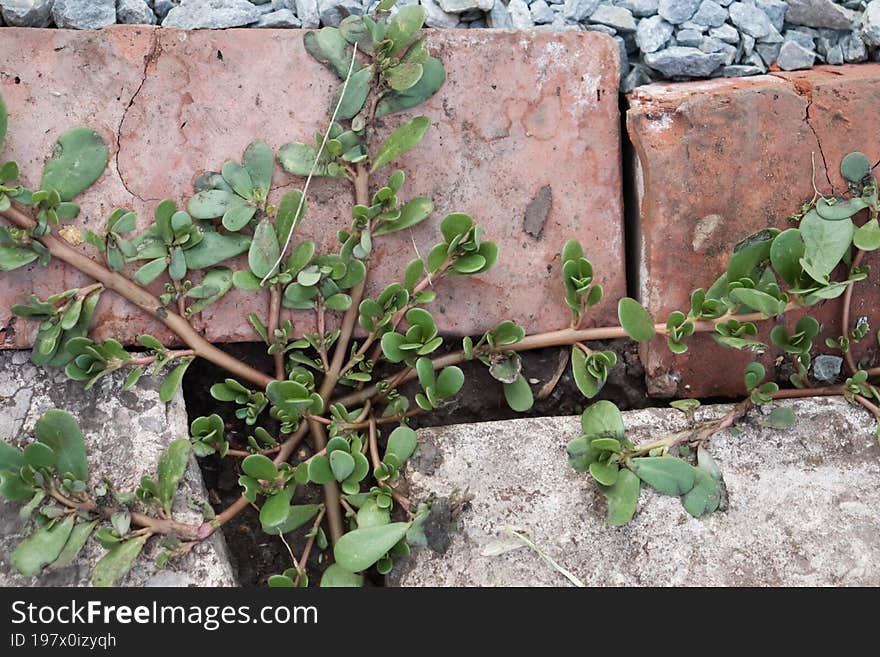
<point x="256" y="555"/>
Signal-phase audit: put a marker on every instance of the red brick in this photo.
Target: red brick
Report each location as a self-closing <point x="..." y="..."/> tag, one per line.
<point x="519" y="111"/>
<point x="741" y="150"/>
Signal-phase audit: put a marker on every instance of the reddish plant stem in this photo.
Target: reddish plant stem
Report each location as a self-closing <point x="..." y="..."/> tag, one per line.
<point x="332" y="496"/>
<point x="844" y="321"/>
<point x="864" y="401"/>
<point x="273" y="324"/>
<point x="374" y="443"/>
<point x="141" y="298"/>
<point x="320" y="320"/>
<point x="172" y="355"/>
<point x="559" y="338"/>
<point x="284" y="452"/>
<point x="153" y="525"/>
<point x="301" y="566"/>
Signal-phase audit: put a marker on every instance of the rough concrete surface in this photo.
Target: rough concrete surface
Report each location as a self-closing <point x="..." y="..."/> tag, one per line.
<point x="803" y="506"/>
<point x="519" y="111"/>
<point x="718" y="160"/>
<point x="125" y="432"/>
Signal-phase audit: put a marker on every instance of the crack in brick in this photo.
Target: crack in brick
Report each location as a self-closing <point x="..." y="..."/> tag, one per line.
<point x="804" y="89"/>
<point x="150" y="60"/>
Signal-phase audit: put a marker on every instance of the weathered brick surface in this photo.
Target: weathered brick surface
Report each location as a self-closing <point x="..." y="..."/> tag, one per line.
<point x="520" y="111"/>
<point x="718" y="160"/>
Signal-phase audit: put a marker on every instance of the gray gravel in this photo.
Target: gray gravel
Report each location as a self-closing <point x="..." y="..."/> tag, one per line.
<point x="659" y="39"/>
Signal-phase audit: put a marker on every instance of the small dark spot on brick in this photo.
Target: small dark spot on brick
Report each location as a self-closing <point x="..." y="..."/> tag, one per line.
<point x="220" y="55"/>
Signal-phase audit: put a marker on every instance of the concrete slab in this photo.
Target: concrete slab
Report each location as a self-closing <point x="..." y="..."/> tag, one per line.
<point x="521" y="111"/>
<point x="125" y="432"/>
<point x="802" y="506"/>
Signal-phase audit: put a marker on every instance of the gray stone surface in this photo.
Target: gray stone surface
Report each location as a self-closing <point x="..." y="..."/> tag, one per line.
<point x="641" y="8"/>
<point x="710" y="14"/>
<point x="775" y="10"/>
<point x="27" y="13"/>
<point x="578" y="10"/>
<point x="520" y="15"/>
<point x="307" y="12"/>
<point x="750" y="19"/>
<point x="212" y="14"/>
<point x="541" y="12"/>
<point x="162" y="7"/>
<point x="870" y="27"/>
<point x="819" y="13"/>
<point x="134" y="12"/>
<point x="279" y="19"/>
<point x="499" y="17"/>
<point x="678" y="11"/>
<point x="726" y="33"/>
<point x="794" y="57"/>
<point x="331" y="12"/>
<point x="852" y="48"/>
<point x="653" y="33"/>
<point x="742" y="70"/>
<point x="803" y="38"/>
<point x="617" y="17"/>
<point x="84" y="14"/>
<point x="436" y="17"/>
<point x="827" y="368"/>
<point x="125" y="433"/>
<point x="680" y="61"/>
<point x="461" y="6"/>
<point x="802" y="507"/>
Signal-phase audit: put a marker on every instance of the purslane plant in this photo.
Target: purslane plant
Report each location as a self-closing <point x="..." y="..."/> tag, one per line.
<point x="324" y="387"/>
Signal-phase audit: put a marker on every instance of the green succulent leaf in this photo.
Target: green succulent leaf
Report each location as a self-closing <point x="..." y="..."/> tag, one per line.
<point x="259" y="162"/>
<point x="359" y="549"/>
<point x="172" y="382"/>
<point x="78" y="159"/>
<point x="297" y="516"/>
<point x="867" y="237"/>
<point x="214" y="248"/>
<point x="519" y="394"/>
<point x="622" y="497"/>
<point x="338" y="577"/>
<point x="433" y="77"/>
<point x="74" y="545"/>
<point x="855" y="167"/>
<point x="604" y="473"/>
<point x="10" y="457"/>
<point x="264" y="250"/>
<point x="356" y="93"/>
<point x="603" y="420"/>
<point x="213" y="203"/>
<point x="782" y="417"/>
<point x="825" y="243"/>
<point x="60" y="431"/>
<point x="172" y="466"/>
<point x="259" y="466"/>
<point x="401" y="140"/>
<point x="114" y="565"/>
<point x="298" y="159"/>
<point x="786" y="252"/>
<point x="665" y="474"/>
<point x="404" y="27"/>
<point x="412" y="213"/>
<point x="635" y="320"/>
<point x="276" y="509"/>
<point x="402" y="443"/>
<point x="42" y="547"/>
<point x="330" y="48"/>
